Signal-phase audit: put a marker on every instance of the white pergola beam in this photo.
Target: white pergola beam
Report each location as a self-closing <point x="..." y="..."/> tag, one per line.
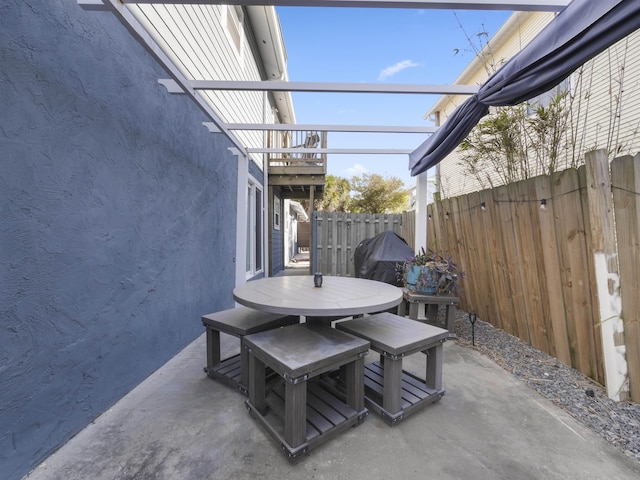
<point x="287" y="127"/>
<point x="329" y="87"/>
<point x="336" y="151"/>
<point x="522" y="5"/>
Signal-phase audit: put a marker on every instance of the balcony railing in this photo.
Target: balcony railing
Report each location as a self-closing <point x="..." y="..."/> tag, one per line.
<point x="293" y="163"/>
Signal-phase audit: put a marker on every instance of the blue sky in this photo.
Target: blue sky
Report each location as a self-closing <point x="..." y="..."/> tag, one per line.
<point x="358" y="45"/>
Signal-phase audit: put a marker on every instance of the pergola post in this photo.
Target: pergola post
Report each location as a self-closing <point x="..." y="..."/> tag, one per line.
<point x="420" y="236"/>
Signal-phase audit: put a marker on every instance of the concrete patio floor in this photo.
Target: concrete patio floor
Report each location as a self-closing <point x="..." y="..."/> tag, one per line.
<point x="180" y="424"/>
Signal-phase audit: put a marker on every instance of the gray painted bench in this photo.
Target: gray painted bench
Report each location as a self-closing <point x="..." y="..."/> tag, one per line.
<point x="390" y="391"/>
<point x="299" y="410"/>
<point x="238" y="322"/>
<point x="431" y="302"/>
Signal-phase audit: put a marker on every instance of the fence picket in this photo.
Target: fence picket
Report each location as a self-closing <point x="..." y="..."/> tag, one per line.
<point x="551" y="284"/>
<point x="625" y="181"/>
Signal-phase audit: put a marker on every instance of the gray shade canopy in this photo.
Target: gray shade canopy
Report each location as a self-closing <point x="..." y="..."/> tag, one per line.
<point x="578" y="33"/>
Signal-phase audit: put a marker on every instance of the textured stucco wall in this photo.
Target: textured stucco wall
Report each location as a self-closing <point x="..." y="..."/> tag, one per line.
<point x="117" y="222"/>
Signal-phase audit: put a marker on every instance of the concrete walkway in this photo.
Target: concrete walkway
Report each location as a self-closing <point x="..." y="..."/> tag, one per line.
<point x="181" y="425"/>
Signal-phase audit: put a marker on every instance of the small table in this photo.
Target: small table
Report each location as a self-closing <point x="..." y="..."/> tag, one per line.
<point x="239" y="322"/>
<point x="298" y="411"/>
<point x="431" y="306"/>
<point x="338" y="297"/>
<point x="390" y="391"/>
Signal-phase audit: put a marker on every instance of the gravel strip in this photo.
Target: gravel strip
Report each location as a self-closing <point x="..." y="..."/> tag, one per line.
<point x="617" y="422"/>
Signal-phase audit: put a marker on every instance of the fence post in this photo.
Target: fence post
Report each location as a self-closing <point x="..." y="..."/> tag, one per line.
<point x="607" y="277"/>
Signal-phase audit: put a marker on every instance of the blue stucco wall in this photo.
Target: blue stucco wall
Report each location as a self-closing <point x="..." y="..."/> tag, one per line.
<point x="117" y="222"/>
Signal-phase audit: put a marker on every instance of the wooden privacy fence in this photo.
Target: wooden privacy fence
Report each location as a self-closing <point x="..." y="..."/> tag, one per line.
<point x="337" y="235"/>
<point x="555" y="260"/>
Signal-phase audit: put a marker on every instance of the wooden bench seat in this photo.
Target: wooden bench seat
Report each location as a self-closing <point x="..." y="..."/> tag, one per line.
<point x="299" y="410"/>
<point x="238" y="322"/>
<point x="390" y="391"/>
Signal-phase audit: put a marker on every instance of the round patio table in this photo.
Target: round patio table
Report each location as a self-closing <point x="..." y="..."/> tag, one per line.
<point x="337" y="297"/>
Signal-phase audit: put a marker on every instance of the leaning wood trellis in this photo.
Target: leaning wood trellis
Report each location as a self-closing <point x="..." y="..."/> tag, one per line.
<point x="539" y="258"/>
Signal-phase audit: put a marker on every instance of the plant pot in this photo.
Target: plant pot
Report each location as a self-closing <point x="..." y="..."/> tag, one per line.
<point x="422" y="279"/>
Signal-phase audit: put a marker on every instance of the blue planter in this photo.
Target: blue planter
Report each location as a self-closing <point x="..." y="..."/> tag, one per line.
<point x="421" y="279"/>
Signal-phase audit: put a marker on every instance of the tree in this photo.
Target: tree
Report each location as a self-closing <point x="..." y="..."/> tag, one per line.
<point x="336" y="195"/>
<point x="374" y="193"/>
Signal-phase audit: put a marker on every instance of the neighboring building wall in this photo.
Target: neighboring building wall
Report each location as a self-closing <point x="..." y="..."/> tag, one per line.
<point x="117" y="228"/>
<point x="609" y="109"/>
<point x="597" y="121"/>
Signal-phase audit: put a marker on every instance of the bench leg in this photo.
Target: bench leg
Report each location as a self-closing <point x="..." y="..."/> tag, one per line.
<point x="213" y="348"/>
<point x="431" y="312"/>
<point x="295" y="415"/>
<point x="257" y="384"/>
<point x="434" y="367"/>
<point x="402" y="308"/>
<point x="354" y="379"/>
<point x="413" y="310"/>
<point x="451" y="317"/>
<point x="392" y="392"/>
<point x="244" y="364"/>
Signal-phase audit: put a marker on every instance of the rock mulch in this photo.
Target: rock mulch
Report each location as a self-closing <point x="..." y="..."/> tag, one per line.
<point x="586" y="401"/>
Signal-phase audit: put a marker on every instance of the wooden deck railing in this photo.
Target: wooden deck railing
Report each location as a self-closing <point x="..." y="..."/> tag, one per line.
<point x="293" y="163"/>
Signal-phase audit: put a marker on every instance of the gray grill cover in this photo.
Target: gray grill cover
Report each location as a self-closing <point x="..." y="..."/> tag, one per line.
<point x="376" y="258"/>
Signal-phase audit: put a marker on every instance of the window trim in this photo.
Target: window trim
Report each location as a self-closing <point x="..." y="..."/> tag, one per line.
<point x="255" y="228"/>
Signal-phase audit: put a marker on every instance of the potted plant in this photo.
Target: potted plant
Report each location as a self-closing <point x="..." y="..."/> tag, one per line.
<point x="430" y="273"/>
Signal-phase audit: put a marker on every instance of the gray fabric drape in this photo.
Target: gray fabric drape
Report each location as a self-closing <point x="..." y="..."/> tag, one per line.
<point x="578" y="33"/>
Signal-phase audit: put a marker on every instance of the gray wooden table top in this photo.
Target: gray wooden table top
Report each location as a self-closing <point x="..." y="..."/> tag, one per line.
<point x="338" y="296"/>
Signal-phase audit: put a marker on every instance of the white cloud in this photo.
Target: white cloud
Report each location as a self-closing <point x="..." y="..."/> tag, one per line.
<point x="398" y="67"/>
<point x="355" y="171"/>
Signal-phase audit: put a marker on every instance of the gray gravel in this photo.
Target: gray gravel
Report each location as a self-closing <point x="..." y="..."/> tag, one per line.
<point x="617" y="422"/>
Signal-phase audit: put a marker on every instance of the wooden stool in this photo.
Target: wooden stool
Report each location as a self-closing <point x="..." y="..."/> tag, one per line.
<point x="431" y="305"/>
<point x="300" y="411"/>
<point x="238" y="322"/>
<point x="390" y="391"/>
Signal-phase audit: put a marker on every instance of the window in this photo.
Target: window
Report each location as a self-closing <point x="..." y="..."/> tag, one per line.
<point x="234" y="22"/>
<point x="544" y="100"/>
<point x="254" y="263"/>
<point x="276" y="212"/>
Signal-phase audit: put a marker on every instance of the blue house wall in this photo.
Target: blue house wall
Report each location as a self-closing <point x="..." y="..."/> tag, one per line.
<point x="117" y="224"/>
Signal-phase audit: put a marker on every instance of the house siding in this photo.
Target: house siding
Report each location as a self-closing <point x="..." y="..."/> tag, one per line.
<point x="224" y="63"/>
<point x="118" y="222"/>
<point x="610" y="106"/>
